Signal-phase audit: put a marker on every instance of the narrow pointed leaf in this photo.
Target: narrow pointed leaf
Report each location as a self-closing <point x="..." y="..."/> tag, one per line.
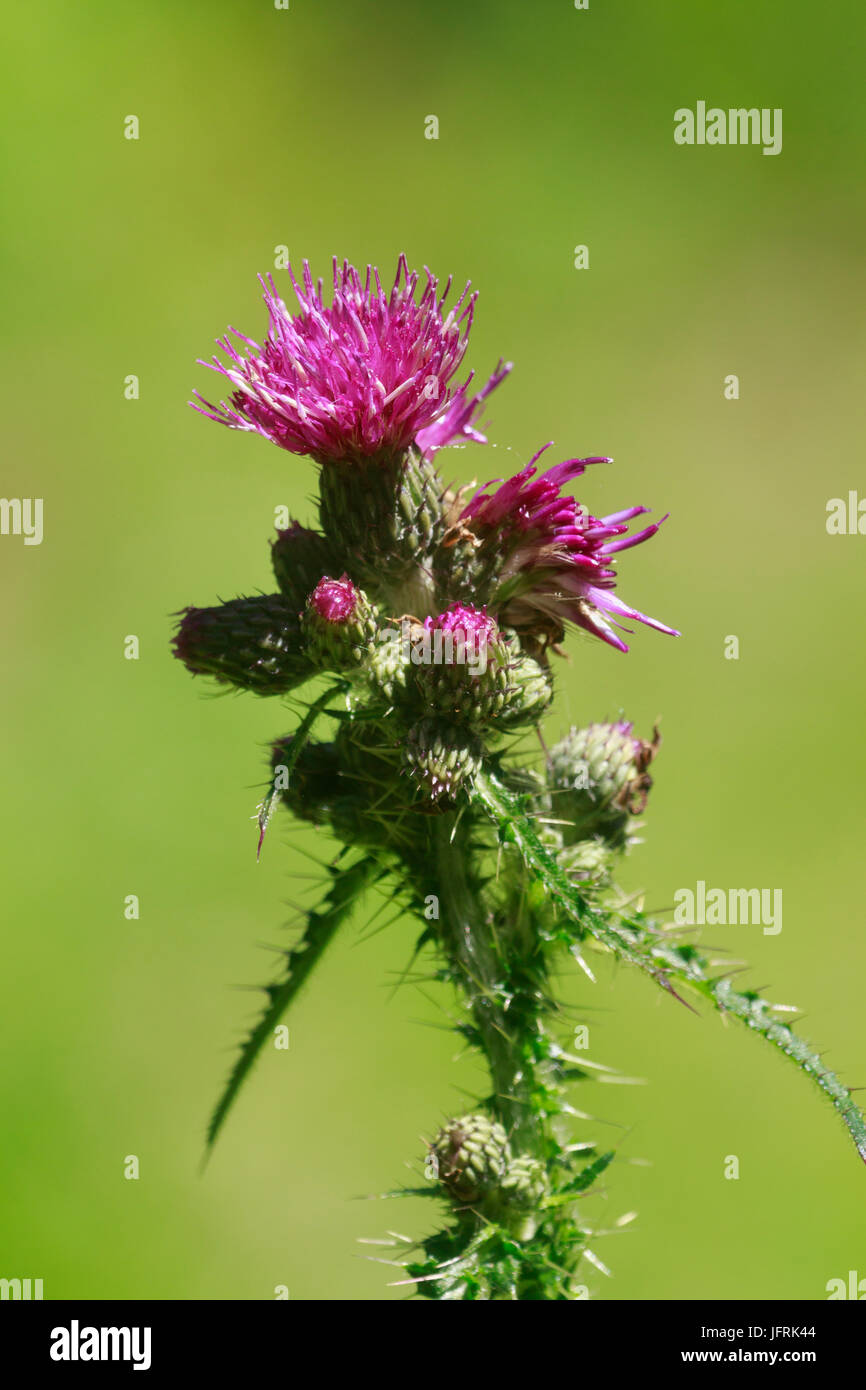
<point x="641" y="942"/>
<point x="322" y="923"/>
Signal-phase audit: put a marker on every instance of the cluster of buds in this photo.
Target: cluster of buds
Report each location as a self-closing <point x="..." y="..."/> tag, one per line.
<point x="440" y="610"/>
<point x="472" y="1160"/>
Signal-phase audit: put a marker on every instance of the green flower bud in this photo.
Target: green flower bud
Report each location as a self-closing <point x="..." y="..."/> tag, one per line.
<point x="386" y="666"/>
<point x="440" y="757"/>
<point x="601" y="773"/>
<point x="523" y="1189"/>
<point x="588" y="860"/>
<point x="338" y="625"/>
<point x="530" y="693"/>
<point x="470" y="671"/>
<point x="471" y="1157"/>
<point x="463" y="675"/>
<point x="252" y="643"/>
<point x="526" y="1183"/>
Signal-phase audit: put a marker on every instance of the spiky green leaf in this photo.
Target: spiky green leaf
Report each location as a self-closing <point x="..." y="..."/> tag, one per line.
<point x="346" y="886"/>
<point x="641" y="942"/>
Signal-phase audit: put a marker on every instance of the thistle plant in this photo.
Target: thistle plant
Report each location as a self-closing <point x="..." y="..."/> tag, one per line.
<point x="433" y="619"/>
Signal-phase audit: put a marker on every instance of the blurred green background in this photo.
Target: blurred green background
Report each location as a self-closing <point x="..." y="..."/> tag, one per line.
<point x="305" y="127"/>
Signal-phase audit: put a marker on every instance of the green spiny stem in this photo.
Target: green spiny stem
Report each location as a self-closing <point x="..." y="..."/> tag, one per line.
<point x="482" y="945"/>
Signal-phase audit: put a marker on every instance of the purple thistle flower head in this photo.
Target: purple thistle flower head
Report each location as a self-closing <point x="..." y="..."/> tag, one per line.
<point x="557" y="558"/>
<point x="367" y="375"/>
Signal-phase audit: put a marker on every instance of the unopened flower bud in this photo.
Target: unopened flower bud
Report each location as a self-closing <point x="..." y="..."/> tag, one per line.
<point x="387" y="668"/>
<point x="441" y="757"/>
<point x="462" y="668"/>
<point x="253" y="643"/>
<point x="524" y="1188"/>
<point x="530" y="692"/>
<point x="338" y="625"/>
<point x="601" y="773"/>
<point x="587" y="861"/>
<point x="472" y="1157"/>
<point x="469" y="670"/>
